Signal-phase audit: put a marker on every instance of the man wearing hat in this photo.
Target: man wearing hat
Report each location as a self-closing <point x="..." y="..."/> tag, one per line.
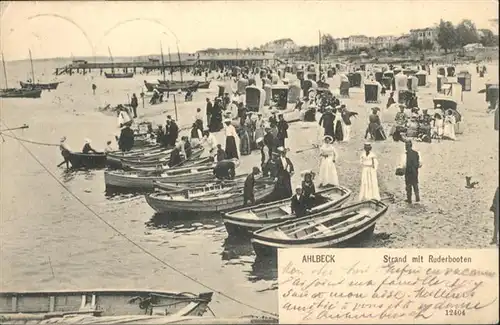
<point x="298" y="204"/>
<point x="248" y="193"/>
<point x="411" y="162"/>
<point x="209" y="111"/>
<point x="326" y="121"/>
<point x="346" y="117"/>
<point x="126" y="140"/>
<point x="270" y="141"/>
<point x="65" y="152"/>
<point x="284" y="174"/>
<point x="171" y="131"/>
<point x="282" y="130"/>
<point x="232" y="140"/>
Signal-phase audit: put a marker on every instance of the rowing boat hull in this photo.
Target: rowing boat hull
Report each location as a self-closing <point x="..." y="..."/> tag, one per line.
<point x="149" y="165"/>
<point x="18" y="306"/>
<point x="248" y="220"/>
<point x="134" y="180"/>
<point x="118" y="75"/>
<point x="204" y="85"/>
<point x="165" y="186"/>
<point x="21" y="93"/>
<point x="47" y="86"/>
<point x="266" y="242"/>
<point x="162" y="204"/>
<point x="92" y="160"/>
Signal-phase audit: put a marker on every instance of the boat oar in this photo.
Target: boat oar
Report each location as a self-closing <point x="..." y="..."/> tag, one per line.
<point x="307" y="149"/>
<point x="24" y="126"/>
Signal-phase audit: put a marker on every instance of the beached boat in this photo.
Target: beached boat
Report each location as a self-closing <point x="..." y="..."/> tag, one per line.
<point x="169" y="187"/>
<point x="155" y="154"/>
<point x="153" y="166"/>
<point x="253" y="218"/>
<point x="43" y="305"/>
<point x="138" y="180"/>
<point x="171" y="86"/>
<point x="90" y="160"/>
<point x="214" y="198"/>
<point x="43" y="86"/>
<point x="20" y="93"/>
<point x="203" y="84"/>
<point x="117" y="75"/>
<point x="329" y="228"/>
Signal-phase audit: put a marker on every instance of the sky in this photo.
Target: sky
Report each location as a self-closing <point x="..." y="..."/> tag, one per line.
<point x="132" y="28"/>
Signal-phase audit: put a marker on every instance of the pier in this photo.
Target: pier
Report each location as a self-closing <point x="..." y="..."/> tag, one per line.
<point x="146" y="66"/>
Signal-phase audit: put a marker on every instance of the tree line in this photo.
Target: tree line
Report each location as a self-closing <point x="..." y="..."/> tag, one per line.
<point x="449" y="37"/>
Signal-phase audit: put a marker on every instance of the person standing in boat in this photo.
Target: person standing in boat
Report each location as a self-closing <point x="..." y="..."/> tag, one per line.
<point x="196" y="135"/>
<point x="221" y="153"/>
<point x="187" y="148"/>
<point x="369" y="183"/>
<point x="172" y="131"/>
<point x="87" y="148"/>
<point x="298" y="204"/>
<point x="199" y="119"/>
<point x="308" y="187"/>
<point x="65" y="152"/>
<point x="160" y="136"/>
<point x="210" y="144"/>
<point x="175" y="155"/>
<point x="411" y="162"/>
<point x="126" y="140"/>
<point x="231" y="141"/>
<point x="248" y="188"/>
<point x="134" y="102"/>
<point x="282" y="130"/>
<point x="285" y="171"/>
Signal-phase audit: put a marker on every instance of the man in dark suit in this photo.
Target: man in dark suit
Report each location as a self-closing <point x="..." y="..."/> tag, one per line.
<point x="298" y="203"/>
<point x="282" y="130"/>
<point x="248" y="194"/>
<point x="411" y="162"/>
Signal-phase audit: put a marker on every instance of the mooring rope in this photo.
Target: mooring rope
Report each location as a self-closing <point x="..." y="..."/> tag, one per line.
<point x="144" y="250"/>
<point x="30" y="141"/>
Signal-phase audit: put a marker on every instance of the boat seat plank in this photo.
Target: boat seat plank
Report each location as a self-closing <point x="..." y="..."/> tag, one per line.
<point x="286" y="208"/>
<point x="335" y="228"/>
<point x="52" y="304"/>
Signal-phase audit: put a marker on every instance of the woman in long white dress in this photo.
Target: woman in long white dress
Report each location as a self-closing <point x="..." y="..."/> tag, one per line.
<point x="438" y="126"/>
<point x="369" y="183"/>
<point x="449" y="125"/>
<point x="327" y="169"/>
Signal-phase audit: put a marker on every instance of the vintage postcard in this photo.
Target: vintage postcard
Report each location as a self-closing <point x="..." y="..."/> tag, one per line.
<point x="242" y="162"/>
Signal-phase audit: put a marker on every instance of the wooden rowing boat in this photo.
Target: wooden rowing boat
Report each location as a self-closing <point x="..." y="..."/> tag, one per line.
<point x="213" y="198"/>
<point x="325" y="229"/>
<point x="143" y="164"/>
<point x="157" y="154"/>
<point x="43" y="86"/>
<point x="115" y="75"/>
<point x="29" y="306"/>
<point x="169" y="187"/>
<point x="138" y="180"/>
<point x="204" y="85"/>
<point x="20" y="93"/>
<point x="247" y="220"/>
<point x="153" y="166"/>
<point x="90" y="160"/>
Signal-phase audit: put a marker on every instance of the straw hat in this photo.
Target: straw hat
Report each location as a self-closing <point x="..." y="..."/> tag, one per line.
<point x="367" y="144"/>
<point x="87" y="140"/>
<point x="328" y="137"/>
<point x="63" y="139"/>
<point x="227" y="120"/>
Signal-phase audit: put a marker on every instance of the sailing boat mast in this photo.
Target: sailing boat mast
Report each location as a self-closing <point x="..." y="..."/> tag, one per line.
<point x="5" y="72"/>
<point x="319" y="55"/>
<point x="162" y="63"/>
<point x="32" y="69"/>
<point x="112" y="61"/>
<point x="171" y="68"/>
<point x="180" y="64"/>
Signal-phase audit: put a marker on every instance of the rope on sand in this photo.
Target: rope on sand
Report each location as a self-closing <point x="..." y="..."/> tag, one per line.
<point x="30" y="141"/>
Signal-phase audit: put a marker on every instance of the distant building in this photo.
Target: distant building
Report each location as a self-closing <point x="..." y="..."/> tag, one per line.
<point x="343" y="43"/>
<point x="358" y="41"/>
<point x="423" y="34"/>
<point x="384" y="42"/>
<point x="218" y="58"/>
<point x="403" y="40"/>
<point x="281" y="46"/>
